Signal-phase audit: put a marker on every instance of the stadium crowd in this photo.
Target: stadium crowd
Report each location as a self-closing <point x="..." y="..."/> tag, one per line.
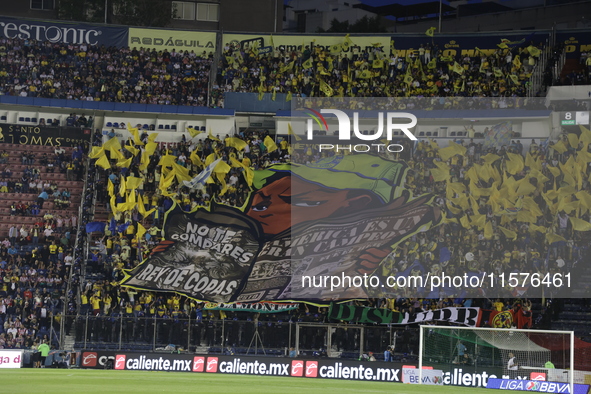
<point x="34" y="283"/>
<point x="98" y="73"/>
<point x="316" y="72"/>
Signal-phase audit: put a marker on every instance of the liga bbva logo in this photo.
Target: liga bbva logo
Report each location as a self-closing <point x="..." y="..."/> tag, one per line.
<point x="344" y="131"/>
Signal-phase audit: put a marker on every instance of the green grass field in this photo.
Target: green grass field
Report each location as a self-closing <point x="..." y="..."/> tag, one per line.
<point x="83" y="381"/>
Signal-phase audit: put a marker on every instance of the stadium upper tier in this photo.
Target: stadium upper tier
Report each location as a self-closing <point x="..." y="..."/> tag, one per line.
<point x="173" y="67"/>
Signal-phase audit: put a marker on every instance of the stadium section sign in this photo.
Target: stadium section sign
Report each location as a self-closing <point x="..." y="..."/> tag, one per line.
<point x="62" y="32"/>
<point x="197" y="41"/>
<point x="46" y="136"/>
<point x="291" y="43"/>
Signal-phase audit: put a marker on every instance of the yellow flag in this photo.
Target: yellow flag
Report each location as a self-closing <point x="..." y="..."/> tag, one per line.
<point x="110" y="187"/>
<point x="211" y="137"/>
<point x="307" y="64"/>
<point x="533" y="51"/>
<point x="96" y="152"/>
<point x="292" y="133"/>
<point x="152" y="137"/>
<point x="124" y="163"/>
<point x="573" y="140"/>
<point x="132" y="149"/>
<point x="141" y="230"/>
<point x="193" y="132"/>
<point x="515" y="163"/>
<point x="365" y="74"/>
<point x="552" y="238"/>
<point x="222" y="167"/>
<point x="465" y="221"/>
<point x="133" y="182"/>
<point x="377" y="63"/>
<point x="195" y="159"/>
<point x="452" y="150"/>
<point x="559" y="147"/>
<point x="498" y="73"/>
<point x="509" y="233"/>
<point x="288" y="96"/>
<point x="488" y="230"/>
<point x="270" y="144"/>
<point x="457" y="68"/>
<point x="490" y="158"/>
<point x="237" y="143"/>
<point x="533" y="227"/>
<point x="103" y="162"/>
<point x="326" y="89"/>
<point x="167" y="161"/>
<point x="135" y="133"/>
<point x="210" y="159"/>
<point x="580" y="224"/>
<point x="122" y="186"/>
<point x="431" y="31"/>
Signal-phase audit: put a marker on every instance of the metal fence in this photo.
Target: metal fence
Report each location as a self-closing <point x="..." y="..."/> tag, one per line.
<point x="133" y="333"/>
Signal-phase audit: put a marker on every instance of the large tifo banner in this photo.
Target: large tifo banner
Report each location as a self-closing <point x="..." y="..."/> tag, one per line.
<point x="291" y="43"/>
<point x="159" y="39"/>
<point x="359" y="314"/>
<point x="59" y="32"/>
<point x="271" y="252"/>
<point x="46" y="136"/>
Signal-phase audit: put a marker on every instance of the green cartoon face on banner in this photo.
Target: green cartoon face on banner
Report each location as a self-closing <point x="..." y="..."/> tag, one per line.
<point x="339" y="216"/>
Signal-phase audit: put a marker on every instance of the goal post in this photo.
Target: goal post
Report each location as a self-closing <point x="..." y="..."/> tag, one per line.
<point x="501" y="352"/>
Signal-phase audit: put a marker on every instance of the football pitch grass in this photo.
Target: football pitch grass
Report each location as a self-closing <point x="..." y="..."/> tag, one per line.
<point x="85" y="381"/>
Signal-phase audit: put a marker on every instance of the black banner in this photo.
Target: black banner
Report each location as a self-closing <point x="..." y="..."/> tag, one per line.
<point x="46" y="136"/>
<point x="360" y="314"/>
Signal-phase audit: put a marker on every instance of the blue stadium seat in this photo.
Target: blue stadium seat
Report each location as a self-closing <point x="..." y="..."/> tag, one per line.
<point x="3" y="117"/>
<point x="202" y="128"/>
<point x="27" y="119"/>
<point x="109" y="124"/>
<point x="421" y="134"/>
<point x="173" y="127"/>
<point x="167" y="127"/>
<point x="429" y="134"/>
<point x="116" y="125"/>
<point x="160" y="127"/>
<point x="34" y="120"/>
<point x="21" y="119"/>
<point x="48" y="121"/>
<point x="145" y="127"/>
<point x="453" y="134"/>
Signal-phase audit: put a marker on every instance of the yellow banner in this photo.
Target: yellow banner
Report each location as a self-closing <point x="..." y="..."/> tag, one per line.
<point x="295" y="42"/>
<point x="160" y="40"/>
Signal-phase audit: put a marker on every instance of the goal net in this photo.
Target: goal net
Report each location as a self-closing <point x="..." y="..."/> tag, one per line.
<point x="504" y="353"/>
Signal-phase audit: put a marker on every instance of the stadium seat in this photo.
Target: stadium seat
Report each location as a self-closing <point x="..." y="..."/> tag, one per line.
<point x="167" y="127"/>
<point x="453" y="134"/>
<point x="48" y="121"/>
<point x="21" y="119"/>
<point x="34" y="120"/>
<point x="160" y="127"/>
<point x="145" y="127"/>
<point x="202" y="128"/>
<point x="3" y="117"/>
<point x="173" y="127"/>
<point x="109" y="124"/>
<point x="429" y="134"/>
<point x="421" y="134"/>
<point x="27" y="119"/>
<point x="116" y="125"/>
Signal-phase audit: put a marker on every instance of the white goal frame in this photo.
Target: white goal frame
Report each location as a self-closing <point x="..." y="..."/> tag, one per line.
<point x="571" y="334"/>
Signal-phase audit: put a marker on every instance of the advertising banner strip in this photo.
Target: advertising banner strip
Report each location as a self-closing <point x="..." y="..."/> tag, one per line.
<point x="359" y="314"/>
<point x="11" y="358"/>
<point x="323" y="368"/>
<point x="535" y="386"/>
<point x="291" y="43"/>
<point x="46" y="136"/>
<point x="158" y="39"/>
<point x="59" y="32"/>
